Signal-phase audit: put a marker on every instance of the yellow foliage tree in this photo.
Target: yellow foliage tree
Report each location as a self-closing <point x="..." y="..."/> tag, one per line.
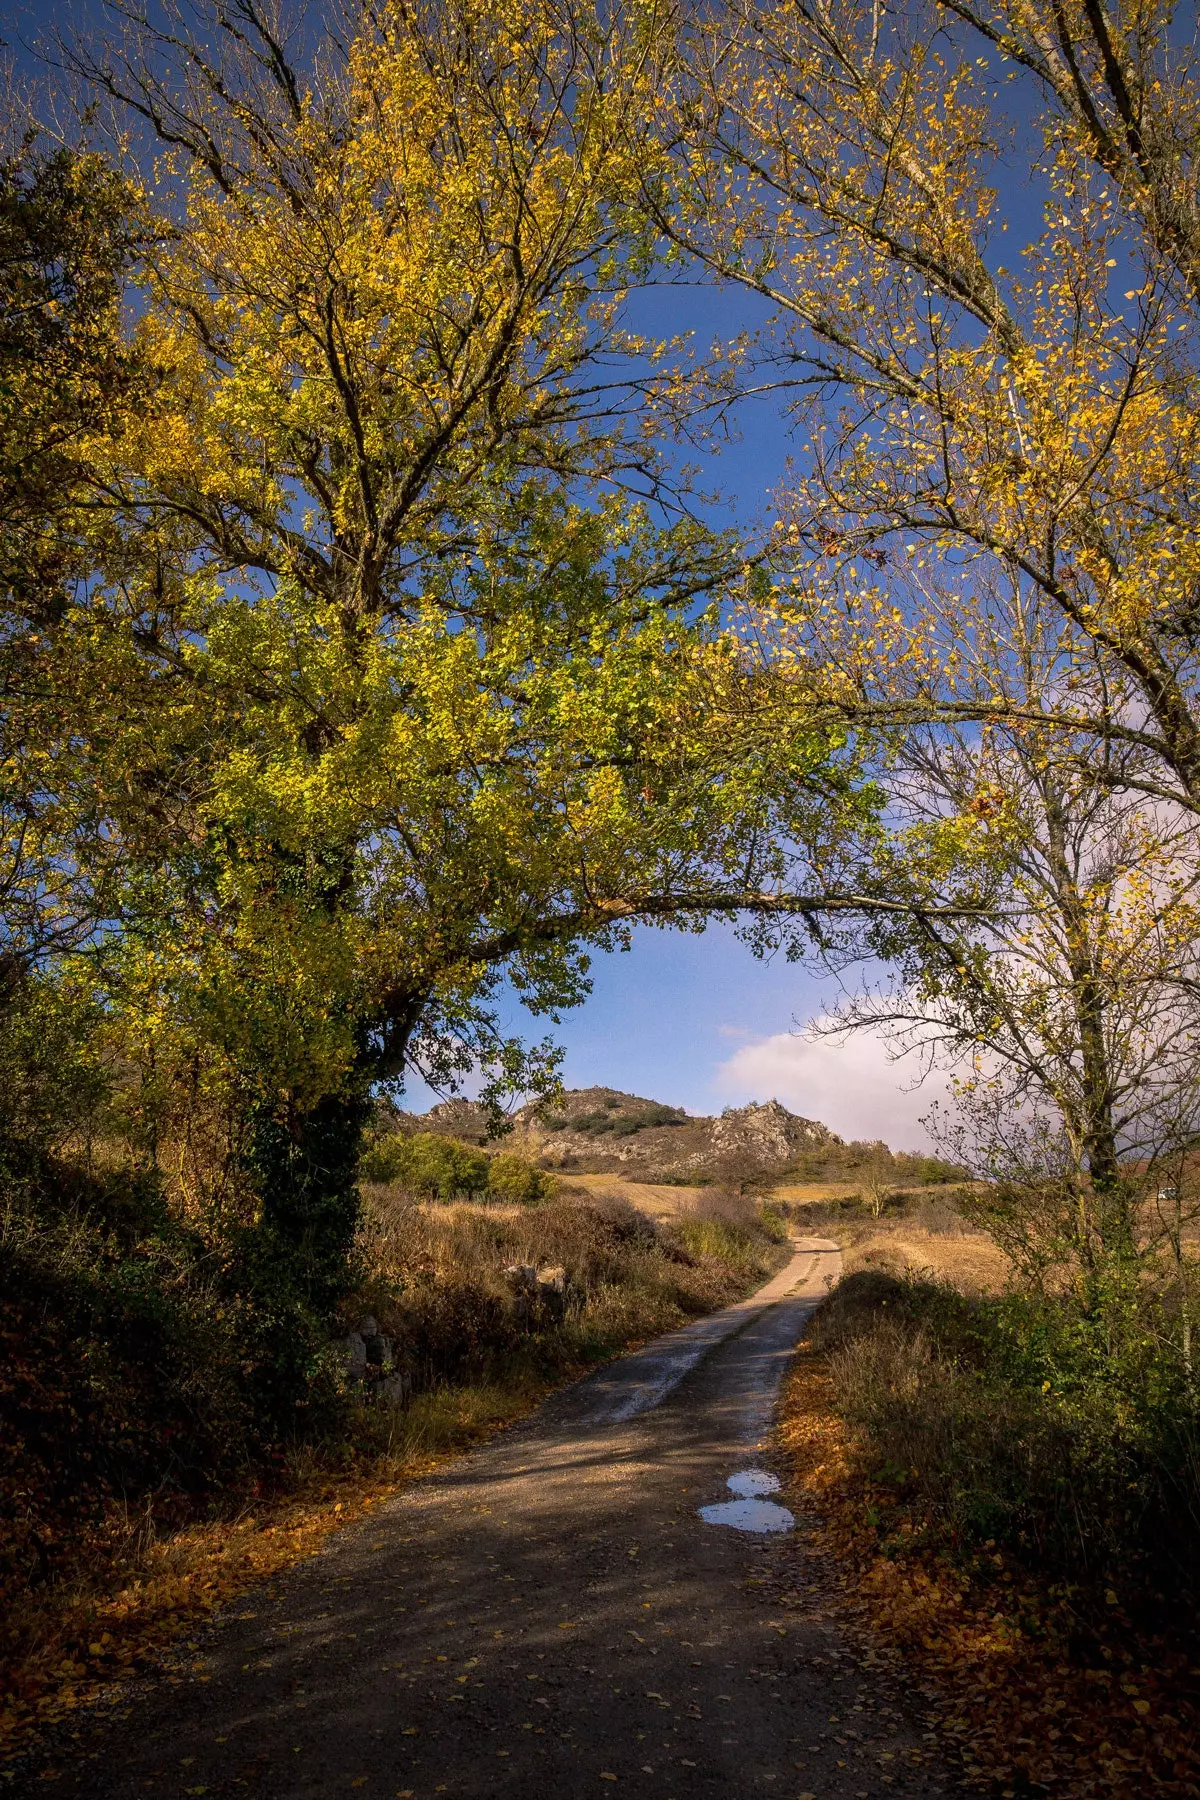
<point x="409" y="674"/>
<point x="1031" y="406"/>
<point x="974" y="227"/>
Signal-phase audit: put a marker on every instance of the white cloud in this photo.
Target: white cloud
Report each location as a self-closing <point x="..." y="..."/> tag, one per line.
<point x="849" y="1084"/>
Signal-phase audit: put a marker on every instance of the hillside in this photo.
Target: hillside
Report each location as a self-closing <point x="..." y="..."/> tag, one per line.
<point x="599" y="1130"/>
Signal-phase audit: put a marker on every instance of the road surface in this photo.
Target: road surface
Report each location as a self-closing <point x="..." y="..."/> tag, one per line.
<point x="548" y="1618"/>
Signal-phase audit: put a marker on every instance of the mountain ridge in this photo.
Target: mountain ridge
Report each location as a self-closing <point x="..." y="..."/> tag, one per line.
<point x="598" y="1130"/>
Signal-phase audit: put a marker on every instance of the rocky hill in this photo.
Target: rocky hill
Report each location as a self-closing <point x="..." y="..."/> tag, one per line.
<point x="598" y="1130"/>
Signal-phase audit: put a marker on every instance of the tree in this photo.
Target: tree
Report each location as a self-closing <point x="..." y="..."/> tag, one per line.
<point x="1067" y="1000"/>
<point x="877" y="1181"/>
<point x="415" y="661"/>
<point x="69" y="232"/>
<point x="987" y="549"/>
<point x="432" y="1166"/>
<point x="1029" y="410"/>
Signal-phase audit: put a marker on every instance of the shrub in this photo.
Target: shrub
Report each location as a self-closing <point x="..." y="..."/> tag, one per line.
<point x="729" y="1227"/>
<point x="438" y="1285"/>
<point x="429" y="1165"/>
<point x="510" y="1178"/>
<point x="1062" y="1430"/>
<point x="772" y="1223"/>
<point x="128" y="1374"/>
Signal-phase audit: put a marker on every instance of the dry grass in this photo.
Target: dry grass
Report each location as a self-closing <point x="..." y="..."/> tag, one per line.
<point x="812" y="1193"/>
<point x="971" y="1261"/>
<point x="920" y="1234"/>
<point x="658" y="1200"/>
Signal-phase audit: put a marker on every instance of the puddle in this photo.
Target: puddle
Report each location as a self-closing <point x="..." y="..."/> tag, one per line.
<point x="752" y="1482"/>
<point x="750" y="1512"/>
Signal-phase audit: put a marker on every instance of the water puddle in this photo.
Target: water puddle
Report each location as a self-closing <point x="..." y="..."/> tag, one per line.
<point x="750" y="1512"/>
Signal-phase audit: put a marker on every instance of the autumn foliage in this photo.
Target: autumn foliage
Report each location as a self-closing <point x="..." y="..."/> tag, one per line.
<point x="371" y="652"/>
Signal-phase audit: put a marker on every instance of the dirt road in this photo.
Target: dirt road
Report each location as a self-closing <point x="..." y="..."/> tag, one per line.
<point x="548" y="1618"/>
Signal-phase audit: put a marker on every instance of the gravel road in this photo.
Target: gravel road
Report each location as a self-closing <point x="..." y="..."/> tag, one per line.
<point x="547" y="1618"/>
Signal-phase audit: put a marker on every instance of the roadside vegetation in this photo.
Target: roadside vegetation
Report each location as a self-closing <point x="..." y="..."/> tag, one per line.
<point x="150" y="1470"/>
<point x="1007" y="1478"/>
<point x="367" y="657"/>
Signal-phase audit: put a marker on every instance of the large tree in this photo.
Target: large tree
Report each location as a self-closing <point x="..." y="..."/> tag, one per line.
<point x="69" y="233"/>
<point x="408" y="662"/>
<point x="1064" y="994"/>
<point x="975" y="231"/>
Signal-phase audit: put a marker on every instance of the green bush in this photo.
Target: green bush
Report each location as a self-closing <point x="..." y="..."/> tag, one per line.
<point x="1063" y="1428"/>
<point x="441" y="1168"/>
<point x="519" y="1183"/>
<point x="429" y="1165"/>
<point x="772" y="1223"/>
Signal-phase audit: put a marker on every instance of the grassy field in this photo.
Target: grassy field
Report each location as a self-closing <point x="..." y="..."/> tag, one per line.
<point x="920" y="1233"/>
<point x="658" y="1200"/>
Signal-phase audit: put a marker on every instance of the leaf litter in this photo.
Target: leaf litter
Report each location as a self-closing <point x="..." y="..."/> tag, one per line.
<point x="1021" y="1700"/>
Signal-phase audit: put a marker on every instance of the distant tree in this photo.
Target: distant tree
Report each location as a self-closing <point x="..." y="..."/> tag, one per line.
<point x="877" y="1182"/>
<point x="428" y="1164"/>
<point x="517" y="1181"/>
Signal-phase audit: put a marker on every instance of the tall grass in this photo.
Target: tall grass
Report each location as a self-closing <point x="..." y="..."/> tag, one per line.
<point x="435" y="1279"/>
<point x="1067" y="1433"/>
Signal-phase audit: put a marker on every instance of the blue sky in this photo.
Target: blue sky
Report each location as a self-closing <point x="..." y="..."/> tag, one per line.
<point x="699" y="1022"/>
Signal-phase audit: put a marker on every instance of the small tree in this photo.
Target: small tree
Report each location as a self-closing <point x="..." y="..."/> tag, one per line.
<point x="512" y="1179"/>
<point x="876" y="1184"/>
<point x="428" y="1164"/>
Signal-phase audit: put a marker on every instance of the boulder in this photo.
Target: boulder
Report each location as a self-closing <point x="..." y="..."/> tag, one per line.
<point x="396" y="1389"/>
<point x="354" y="1350"/>
<point x="552" y="1291"/>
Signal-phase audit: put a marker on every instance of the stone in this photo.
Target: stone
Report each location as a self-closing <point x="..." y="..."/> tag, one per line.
<point x="396" y="1389"/>
<point x="552" y="1291"/>
<point x="769" y="1133"/>
<point x="379" y="1350"/>
<point x="354" y="1350"/>
<point x="522" y="1278"/>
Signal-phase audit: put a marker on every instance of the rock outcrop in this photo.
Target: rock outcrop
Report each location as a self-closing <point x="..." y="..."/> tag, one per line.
<point x="601" y="1129"/>
<point x="767" y="1131"/>
<point x="371" y="1365"/>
